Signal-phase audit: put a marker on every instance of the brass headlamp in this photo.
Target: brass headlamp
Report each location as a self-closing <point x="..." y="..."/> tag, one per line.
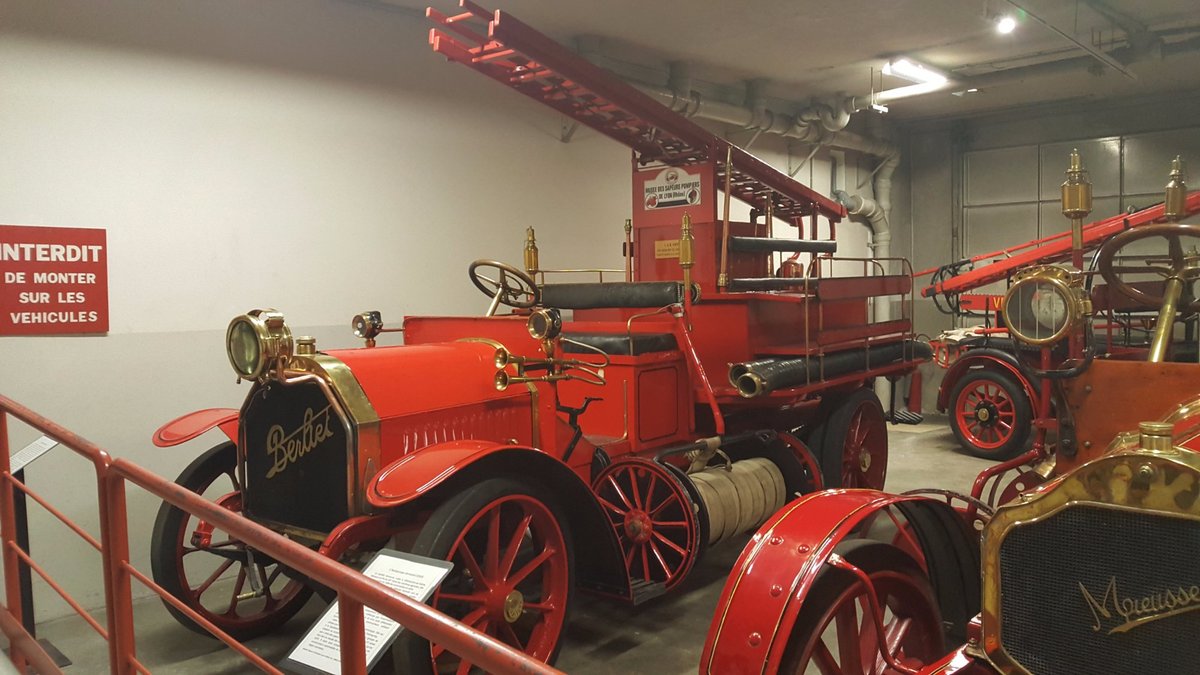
<point x="367" y="325"/>
<point x="1044" y="304"/>
<point x="255" y="341"/>
<point x="544" y="323"/>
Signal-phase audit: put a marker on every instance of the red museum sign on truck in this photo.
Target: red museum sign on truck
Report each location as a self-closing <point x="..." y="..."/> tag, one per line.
<point x="55" y="280"/>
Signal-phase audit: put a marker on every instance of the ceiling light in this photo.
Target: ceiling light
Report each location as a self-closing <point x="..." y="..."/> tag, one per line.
<point x="924" y="80"/>
<point x="1005" y="24"/>
<point x="913" y="72"/>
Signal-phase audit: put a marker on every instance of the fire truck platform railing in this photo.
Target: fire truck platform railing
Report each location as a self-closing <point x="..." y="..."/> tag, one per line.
<point x="354" y="590"/>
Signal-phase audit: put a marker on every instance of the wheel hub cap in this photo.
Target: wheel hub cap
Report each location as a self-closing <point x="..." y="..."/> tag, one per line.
<point x="638" y="526"/>
<point x="864" y="461"/>
<point x="514" y="606"/>
<point x="985" y="413"/>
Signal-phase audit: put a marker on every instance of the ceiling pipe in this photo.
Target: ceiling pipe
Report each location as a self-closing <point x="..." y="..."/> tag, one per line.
<point x="810" y="125"/>
<point x="1127" y="55"/>
<point x="821" y="123"/>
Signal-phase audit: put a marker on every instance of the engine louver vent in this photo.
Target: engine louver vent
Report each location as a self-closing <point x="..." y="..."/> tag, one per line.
<point x="298" y="457"/>
<point x="1099" y="590"/>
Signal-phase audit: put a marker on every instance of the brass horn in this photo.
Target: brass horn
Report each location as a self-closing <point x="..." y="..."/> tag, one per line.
<point x="503" y="380"/>
<point x="505" y="358"/>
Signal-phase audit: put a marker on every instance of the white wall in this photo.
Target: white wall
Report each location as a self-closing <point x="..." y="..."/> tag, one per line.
<point x="310" y="155"/>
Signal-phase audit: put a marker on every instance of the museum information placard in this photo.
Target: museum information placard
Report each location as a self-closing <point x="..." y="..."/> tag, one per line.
<point x="54" y="280"/>
<point x="319" y="651"/>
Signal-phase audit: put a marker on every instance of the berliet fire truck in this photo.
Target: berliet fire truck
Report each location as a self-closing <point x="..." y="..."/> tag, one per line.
<point x="599" y="434"/>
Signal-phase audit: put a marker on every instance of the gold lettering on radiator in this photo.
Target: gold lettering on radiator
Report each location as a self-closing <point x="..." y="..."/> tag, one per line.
<point x="285" y="448"/>
<point x="1138" y="611"/>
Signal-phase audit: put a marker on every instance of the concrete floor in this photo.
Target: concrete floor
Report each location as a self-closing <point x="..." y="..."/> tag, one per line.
<point x="664" y="636"/>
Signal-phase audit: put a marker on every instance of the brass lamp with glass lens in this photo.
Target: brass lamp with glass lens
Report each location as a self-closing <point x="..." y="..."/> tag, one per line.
<point x="1044" y="304"/>
<point x="255" y="340"/>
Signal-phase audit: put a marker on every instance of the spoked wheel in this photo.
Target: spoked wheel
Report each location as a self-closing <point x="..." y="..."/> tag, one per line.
<point x="209" y="570"/>
<point x="654" y="518"/>
<point x="991" y="414"/>
<point x="852" y="443"/>
<point x="836" y="631"/>
<point x="513" y="573"/>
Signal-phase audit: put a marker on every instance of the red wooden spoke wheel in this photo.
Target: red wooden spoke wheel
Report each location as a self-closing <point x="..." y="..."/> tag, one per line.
<point x="512" y="577"/>
<point x="654" y="518"/>
<point x="852" y="442"/>
<point x="991" y="414"/>
<point x="209" y="570"/>
<point x="836" y="632"/>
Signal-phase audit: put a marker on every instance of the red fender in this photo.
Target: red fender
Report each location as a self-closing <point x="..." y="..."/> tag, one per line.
<point x="419" y="472"/>
<point x="774" y="573"/>
<point x="597" y="552"/>
<point x="186" y="427"/>
<point x="980" y="358"/>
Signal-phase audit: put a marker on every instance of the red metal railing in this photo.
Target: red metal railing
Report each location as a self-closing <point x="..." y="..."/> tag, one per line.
<point x="355" y="591"/>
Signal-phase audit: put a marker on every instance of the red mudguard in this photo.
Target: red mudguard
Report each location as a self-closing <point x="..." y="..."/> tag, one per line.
<point x="982" y="358"/>
<point x="186" y="427"/>
<point x="774" y="573"/>
<point x="415" y="474"/>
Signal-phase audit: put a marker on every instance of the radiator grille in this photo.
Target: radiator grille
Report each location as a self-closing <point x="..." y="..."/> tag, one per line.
<point x="1133" y="565"/>
<point x="297" y="457"/>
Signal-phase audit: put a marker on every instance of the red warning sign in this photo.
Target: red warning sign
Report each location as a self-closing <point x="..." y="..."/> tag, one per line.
<point x="55" y="280"/>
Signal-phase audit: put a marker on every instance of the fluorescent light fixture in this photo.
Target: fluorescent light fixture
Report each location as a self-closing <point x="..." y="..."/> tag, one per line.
<point x="913" y="72"/>
<point x="910" y="90"/>
<point x="1006" y="24"/>
<point x="924" y="79"/>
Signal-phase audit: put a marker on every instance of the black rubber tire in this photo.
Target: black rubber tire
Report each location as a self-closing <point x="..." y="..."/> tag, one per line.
<point x="871" y="557"/>
<point x="165" y="553"/>
<point x="828" y="439"/>
<point x="1022" y="407"/>
<point x="411" y="652"/>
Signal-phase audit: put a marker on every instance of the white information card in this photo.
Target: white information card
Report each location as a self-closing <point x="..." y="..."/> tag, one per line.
<point x="319" y="651"/>
<point x="21" y="458"/>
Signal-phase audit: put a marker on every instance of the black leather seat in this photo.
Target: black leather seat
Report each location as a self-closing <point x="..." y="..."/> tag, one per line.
<point x="624" y="294"/>
<point x="620" y="344"/>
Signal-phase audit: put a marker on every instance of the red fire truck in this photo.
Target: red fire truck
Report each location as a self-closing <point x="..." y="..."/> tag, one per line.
<point x="600" y="434"/>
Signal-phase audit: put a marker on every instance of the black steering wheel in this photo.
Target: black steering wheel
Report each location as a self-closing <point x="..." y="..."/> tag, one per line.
<point x="1179" y="264"/>
<point x="512" y="287"/>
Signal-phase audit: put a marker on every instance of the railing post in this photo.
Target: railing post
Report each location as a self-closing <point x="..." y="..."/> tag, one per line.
<point x="352" y="636"/>
<point x="118" y="593"/>
<point x="8" y="534"/>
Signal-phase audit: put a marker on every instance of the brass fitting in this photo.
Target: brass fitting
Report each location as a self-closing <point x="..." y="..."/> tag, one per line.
<point x="1156" y="436"/>
<point x="1076" y="190"/>
<point x="1174" y="205"/>
<point x="531" y="252"/>
<point x="687" y="253"/>
<point x="1076" y="204"/>
<point x="306" y="345"/>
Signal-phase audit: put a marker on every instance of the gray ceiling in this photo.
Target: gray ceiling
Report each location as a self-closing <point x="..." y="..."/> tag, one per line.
<point x="805" y="48"/>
